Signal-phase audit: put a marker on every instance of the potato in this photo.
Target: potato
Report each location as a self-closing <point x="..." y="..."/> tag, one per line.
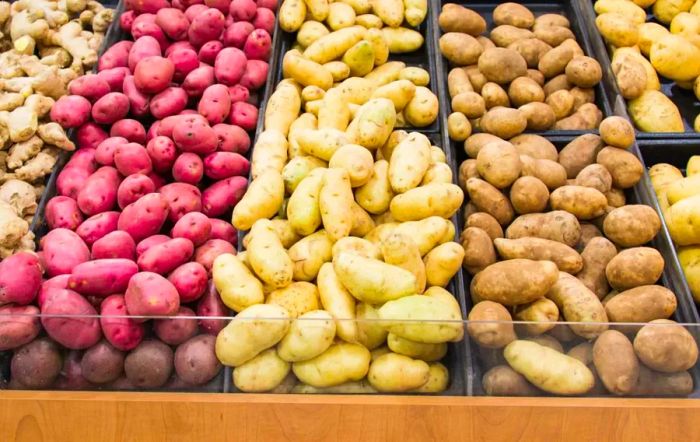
<point x="502" y="380"/>
<point x="457" y="18"/>
<point x="554" y="62"/>
<point x="422" y="110"/>
<point x="487" y="223"/>
<point x="583" y="71"/>
<point x="494" y="95"/>
<point x="680" y="219"/>
<point x="548" y="369"/>
<point x="653" y="383"/>
<point x="579" y="153"/>
<point x="397" y="373"/>
<point x="539" y="116"/>
<point x="513" y="14"/>
<point x="542" y="312"/>
<point x="416" y="350"/>
<point x="618" y="30"/>
<point x="371" y="334"/>
<point x="583" y="202"/>
<point x="401" y="251"/>
<point x="503" y="122"/>
<point x="306" y="72"/>
<point x="267" y="256"/>
<point x="641" y="304"/>
<point x="655" y="112"/>
<point x="524" y="90"/>
<point x="553" y="35"/>
<point x="297" y="298"/>
<point x="308" y="337"/>
<point x="616" y="197"/>
<point x="674" y="57"/>
<point x="516" y="281"/>
<point x="490" y="200"/>
<point x="615" y="362"/>
<point x="149" y="365"/>
<point x="529" y="195"/>
<point x="476" y="142"/>
<point x="375" y="195"/>
<point x="459" y="48"/>
<point x="499" y="163"/>
<point x="478" y="249"/>
<point x="582" y="96"/>
<point x="441" y="319"/>
<point x="531" y="49"/>
<point x="335" y="200"/>
<point x="596" y="177"/>
<point x="427" y="233"/>
<point x="438" y="379"/>
<point x="537" y="76"/>
<point x="631" y="77"/>
<point x="624" y="167"/>
<point x="458" y="126"/>
<point x="371" y="280"/>
<point x="476" y="78"/>
<point x="458" y="82"/>
<point x="547" y="341"/>
<point x="666" y="346"/>
<point x="36" y="364"/>
<point x="578" y="304"/>
<point x="504" y="35"/>
<point x="357" y="246"/>
<point x="471" y="104"/>
<point x="632" y="225"/>
<point x="442" y="263"/>
<point x="435" y="199"/>
<point x="263" y="199"/>
<point x="490" y="325"/>
<point x="566" y="258"/>
<point x="236" y="284"/>
<point x="552" y="20"/>
<point x="416" y="75"/>
<point x="557" y="225"/>
<point x="311" y="31"/>
<point x="342" y="362"/>
<point x="338" y="302"/>
<point x="502" y="65"/>
<point x="596" y="255"/>
<point x="243" y="339"/>
<point x="647" y="265"/>
<point x="409" y="162"/>
<point x="262" y="373"/>
<point x="562" y="103"/>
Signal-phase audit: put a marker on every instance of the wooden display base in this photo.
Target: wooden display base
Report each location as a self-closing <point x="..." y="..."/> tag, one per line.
<point x="145" y="417"/>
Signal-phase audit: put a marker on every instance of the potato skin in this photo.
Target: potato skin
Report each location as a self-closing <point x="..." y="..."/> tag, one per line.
<point x="578" y="304"/>
<point x="666" y="346"/>
<point x="556" y="225"/>
<point x="491" y="334"/>
<point x="502" y="380"/>
<point x="459" y="48"/>
<point x="632" y="225"/>
<point x="516" y="281"/>
<point x="539" y="116"/>
<point x="499" y="164"/>
<point x="487" y="223"/>
<point x="551" y="173"/>
<point x="654" y="383"/>
<point x="641" y="304"/>
<point x="457" y="18"/>
<point x="471" y="104"/>
<point x="583" y="71"/>
<point x="543" y="313"/>
<point x="502" y="65"/>
<point x="524" y="90"/>
<point x="531" y="49"/>
<point x="535" y="146"/>
<point x="596" y="177"/>
<point x="567" y="259"/>
<point x="615" y="362"/>
<point x="36" y="364"/>
<point x="529" y="195"/>
<point x="489" y="199"/>
<point x="634" y="267"/>
<point x="494" y="95"/>
<point x="624" y="167"/>
<point x="583" y="202"/>
<point x="478" y="249"/>
<point x="596" y="255"/>
<point x="513" y="14"/>
<point x="503" y="122"/>
<point x="580" y="153"/>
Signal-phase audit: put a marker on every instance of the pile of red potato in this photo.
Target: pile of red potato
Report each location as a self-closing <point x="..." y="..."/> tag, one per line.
<point x="135" y="228"/>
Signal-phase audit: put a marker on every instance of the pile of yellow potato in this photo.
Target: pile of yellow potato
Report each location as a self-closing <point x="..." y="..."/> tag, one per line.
<point x="679" y="198"/>
<point x="529" y="73"/>
<point x="549" y="237"/>
<point x="644" y="50"/>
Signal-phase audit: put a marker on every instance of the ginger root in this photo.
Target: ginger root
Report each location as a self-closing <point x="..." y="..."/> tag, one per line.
<point x="20" y="196"/>
<point x="12" y="226"/>
<point x="39" y="166"/>
<point x="22" y="152"/>
<point x="22" y="122"/>
<point x="53" y="134"/>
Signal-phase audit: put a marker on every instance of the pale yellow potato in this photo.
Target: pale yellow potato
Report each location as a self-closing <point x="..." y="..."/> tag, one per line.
<point x="395" y="373"/>
<point x="305" y="71"/>
<point x="416" y="350"/>
<point x="282" y="108"/>
<point x="618" y="30"/>
<point x="390" y="11"/>
<point x="371" y="280"/>
<point x="689" y="258"/>
<point x="543" y="313"/>
<point x="693" y="165"/>
<point x="458" y="126"/>
<point x="262" y="373"/>
<point x="428" y="233"/>
<point x="341" y="363"/>
<point x="682" y="220"/>
<point x="385" y="73"/>
<point x="360" y="58"/>
<point x="371" y="333"/>
<point x="438" y="379"/>
<point x="402" y="40"/>
<point x="442" y="263"/>
<point x="297" y="298"/>
<point x="305" y="121"/>
<point x="236" y="284"/>
<point x="309" y="336"/>
<point x="285" y="232"/>
<point x="269" y="152"/>
<point x="577" y="303"/>
<point x="380" y="47"/>
<point x="682" y="188"/>
<point x="335" y="203"/>
<point x="263" y="199"/>
<point x="648" y="34"/>
<point x="620" y="55"/>
<point x="333" y="46"/>
<point x="400" y="250"/>
<point x="360" y="6"/>
<point x="267" y="255"/>
<point x="416" y="75"/>
<point x="375" y="196"/>
<point x="312" y="93"/>
<point x="292" y="14"/>
<point x="626" y="8"/>
<point x="334" y="111"/>
<point x="337" y="301"/>
<point x="321" y="143"/>
<point x="358" y="246"/>
<point x="309" y="254"/>
<point x="441" y="321"/>
<point x="415" y="11"/>
<point x="340" y="15"/>
<point x="435" y="199"/>
<point x="676" y="58"/>
<point x="665" y="10"/>
<point x="437" y="173"/>
<point x="339" y="70"/>
<point x="410" y="160"/>
<point x="373" y="123"/>
<point x="297" y="169"/>
<point x="400" y="92"/>
<point x="423" y="109"/>
<point x="310" y="31"/>
<point x="303" y="208"/>
<point x="356" y="160"/>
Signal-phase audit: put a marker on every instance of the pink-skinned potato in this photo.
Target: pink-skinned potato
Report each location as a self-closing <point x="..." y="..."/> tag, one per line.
<point x="145" y="26"/>
<point x="132" y="158"/>
<point x="114" y="245"/>
<point x="255" y="74"/>
<point x="221" y="229"/>
<point x="90" y="135"/>
<point x="165" y="257"/>
<point x="223" y="195"/>
<point x="138" y="101"/>
<point x="206" y="26"/>
<point x="185" y="61"/>
<point x="197" y="81"/>
<point x="126" y="20"/>
<point x="97" y="226"/>
<point x="173" y="22"/>
<point x="100" y="191"/>
<point x="170" y="101"/>
<point x="158" y="180"/>
<point x="144" y="217"/>
<point x="153" y="74"/>
<point x="123" y="333"/>
<point x="149" y="242"/>
<point x="117" y="56"/>
<point x="229" y="66"/>
<point x="102" y="277"/>
<point x="63" y="249"/>
<point x="244" y="115"/>
<point x="115" y="77"/>
<point x="83" y="159"/>
<point x="265" y="19"/>
<point x="242" y="9"/>
<point x="215" y="104"/>
<point x="221" y="5"/>
<point x="238" y="93"/>
<point x="57" y="282"/>
<point x="194" y="226"/>
<point x="188" y="168"/>
<point x="163" y="153"/>
<point x="110" y="108"/>
<point x="62" y="212"/>
<point x="237" y="33"/>
<point x="182" y="198"/>
<point x="18" y="325"/>
<point x="152" y="131"/>
<point x="194" y="8"/>
<point x="168" y="124"/>
<point x="104" y="154"/>
<point x="221" y="165"/>
<point x="150" y="294"/>
<point x="175" y="331"/>
<point x="195" y="136"/>
<point x="143" y="47"/>
<point x="232" y="138"/>
<point x="129" y="129"/>
<point x="258" y="45"/>
<point x="269" y="4"/>
<point x="72" y="178"/>
<point x="20" y="278"/>
<point x="210" y="305"/>
<point x="207" y="252"/>
<point x="71" y="111"/>
<point x="70" y="319"/>
<point x="134" y="187"/>
<point x="190" y="280"/>
<point x="89" y="86"/>
<point x="209" y="50"/>
<point x="146" y="6"/>
<point x="177" y="46"/>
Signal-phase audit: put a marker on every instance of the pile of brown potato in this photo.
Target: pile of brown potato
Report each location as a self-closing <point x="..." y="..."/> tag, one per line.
<point x="529" y="73"/>
<point x="550" y="237"/>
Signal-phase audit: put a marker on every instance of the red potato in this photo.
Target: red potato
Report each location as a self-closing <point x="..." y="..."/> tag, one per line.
<point x="115" y="77"/>
<point x="89" y="86"/>
<point x="175" y="331"/>
<point x="97" y="226"/>
<point x="83" y="159"/>
<point x="150" y="365"/>
<point x="20" y="278"/>
<point x="130" y="129"/>
<point x="210" y="305"/>
<point x="100" y="191"/>
<point x="221" y="165"/>
<point x="126" y="20"/>
<point x="72" y="178"/>
<point x="123" y="333"/>
<point x="165" y="257"/>
<point x="194" y="8"/>
<point x="152" y="132"/>
<point x="70" y="319"/>
<point x="244" y="115"/>
<point x="188" y="168"/>
<point x="114" y="245"/>
<point x="90" y="135"/>
<point x="104" y="154"/>
<point x="198" y="80"/>
<point x="258" y="45"/>
<point x="150" y="294"/>
<point x="223" y="195"/>
<point x="146" y="6"/>
<point x="145" y="25"/>
<point x="221" y="5"/>
<point x="190" y="280"/>
<point x="117" y="56"/>
<point x="195" y="136"/>
<point x="143" y="47"/>
<point x="255" y="74"/>
<point x="242" y="10"/>
<point x="221" y="229"/>
<point x="194" y="226"/>
<point x="185" y="61"/>
<point x="149" y="242"/>
<point x="102" y="277"/>
<point x="269" y="4"/>
<point x="158" y="180"/>
<point x="229" y="66"/>
<point x="206" y="26"/>
<point x="237" y="33"/>
<point x="264" y="19"/>
<point x="57" y="282"/>
<point x="62" y="213"/>
<point x="170" y="101"/>
<point x="209" y="50"/>
<point x="153" y="74"/>
<point x="232" y="138"/>
<point x="215" y="104"/>
<point x="162" y="152"/>
<point x="196" y="362"/>
<point x="168" y="124"/>
<point x="238" y="93"/>
<point x="144" y="217"/>
<point x="134" y="187"/>
<point x="71" y="111"/>
<point x="173" y="22"/>
<point x="111" y="108"/>
<point x="207" y="252"/>
<point x="178" y="45"/>
<point x="18" y="325"/>
<point x="138" y="102"/>
<point x="132" y="158"/>
<point x="63" y="250"/>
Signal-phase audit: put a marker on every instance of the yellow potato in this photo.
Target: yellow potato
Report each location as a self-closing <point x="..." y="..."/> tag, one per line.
<point x="578" y="304"/>
<point x="356" y="160"/>
<point x="402" y="40"/>
<point x="321" y="143"/>
<point x="676" y="58"/>
<point x="270" y="152"/>
<point x="310" y="31"/>
<point x="416" y="350"/>
<point x="543" y="313"/>
<point x="437" y="173"/>
<point x="358" y="246"/>
<point x="375" y="196"/>
<point x="305" y="121"/>
<point x="297" y="169"/>
<point x="339" y="70"/>
<point x="442" y="263"/>
<point x="335" y="203"/>
<point x="394" y="373"/>
<point x="341" y="363"/>
<point x="371" y="334"/>
<point x="292" y="14"/>
<point x="689" y="258"/>
<point x="441" y="320"/>
<point x="401" y="251"/>
<point x="237" y="286"/>
<point x="428" y="233"/>
<point x="309" y="336"/>
<point x="438" y="379"/>
<point x="332" y="46"/>
<point x="303" y="207"/>
<point x="422" y="110"/>
<point x="683" y="222"/>
<point x="665" y="10"/>
<point x="360" y="58"/>
<point x="267" y="255"/>
<point x="312" y="93"/>
<point x="306" y="72"/>
<point x="693" y="165"/>
<point x="373" y="123"/>
<point x="415" y="11"/>
<point x="400" y="92"/>
<point x="371" y="280"/>
<point x="435" y="199"/>
<point x="282" y="108"/>
<point x="334" y="111"/>
<point x="626" y="8"/>
<point x="352" y="387"/>
<point x="620" y="56"/>
<point x="617" y="29"/>
<point x="337" y="301"/>
<point x="683" y="188"/>
<point x="340" y="15"/>
<point x="416" y="75"/>
<point x="263" y="199"/>
<point x="409" y="162"/>
<point x="262" y="373"/>
<point x="309" y="254"/>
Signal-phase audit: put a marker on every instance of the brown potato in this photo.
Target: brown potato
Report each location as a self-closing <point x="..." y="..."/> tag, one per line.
<point x="149" y="365"/>
<point x="504" y="35"/>
<point x="615" y="362"/>
<point x="491" y="334"/>
<point x="470" y="104"/>
<point x="499" y="164"/>
<point x="494" y="95"/>
<point x="551" y="173"/>
<point x="457" y="18"/>
<point x="573" y="44"/>
<point x="543" y="312"/>
<point x="476" y="78"/>
<point x="562" y="103"/>
<point x="556" y="84"/>
<point x="586" y="117"/>
<point x="469" y="209"/>
<point x="529" y="195"/>
<point x="583" y="71"/>
<point x="654" y="384"/>
<point x="641" y="304"/>
<point x="596" y="177"/>
<point x="552" y="20"/>
<point x="535" y="146"/>
<point x="556" y="225"/>
<point x="459" y="48"/>
<point x="502" y="65"/>
<point x="503" y="122"/>
<point x="195" y="360"/>
<point x="467" y="170"/>
<point x="631" y="77"/>
<point x="485" y="42"/>
<point x="632" y="225"/>
<point x="458" y="126"/>
<point x="539" y="116"/>
<point x="473" y="144"/>
<point x="478" y="249"/>
<point x="596" y="255"/>
<point x="516" y="281"/>
<point x="582" y="96"/>
<point x="487" y="223"/>
<point x="102" y="363"/>
<point x="583" y="352"/>
<point x="579" y="153"/>
<point x="531" y="50"/>
<point x="490" y="357"/>
<point x="666" y="346"/>
<point x="588" y="232"/>
<point x="537" y="76"/>
<point x="580" y="305"/>
<point x="583" y="202"/>
<point x="553" y="35"/>
<point x="634" y="267"/>
<point x="489" y="199"/>
<point x="513" y="14"/>
<point x="524" y="90"/>
<point x="458" y="82"/>
<point x="566" y="258"/>
<point x="563" y="332"/>
<point x="502" y="380"/>
<point x="617" y="132"/>
<point x="554" y="62"/>
<point x="616" y="197"/>
<point x="547" y="341"/>
<point x="36" y="364"/>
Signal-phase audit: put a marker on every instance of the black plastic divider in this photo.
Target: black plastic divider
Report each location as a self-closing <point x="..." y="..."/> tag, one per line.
<point x="684" y="99"/>
<point x="568" y="8"/>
